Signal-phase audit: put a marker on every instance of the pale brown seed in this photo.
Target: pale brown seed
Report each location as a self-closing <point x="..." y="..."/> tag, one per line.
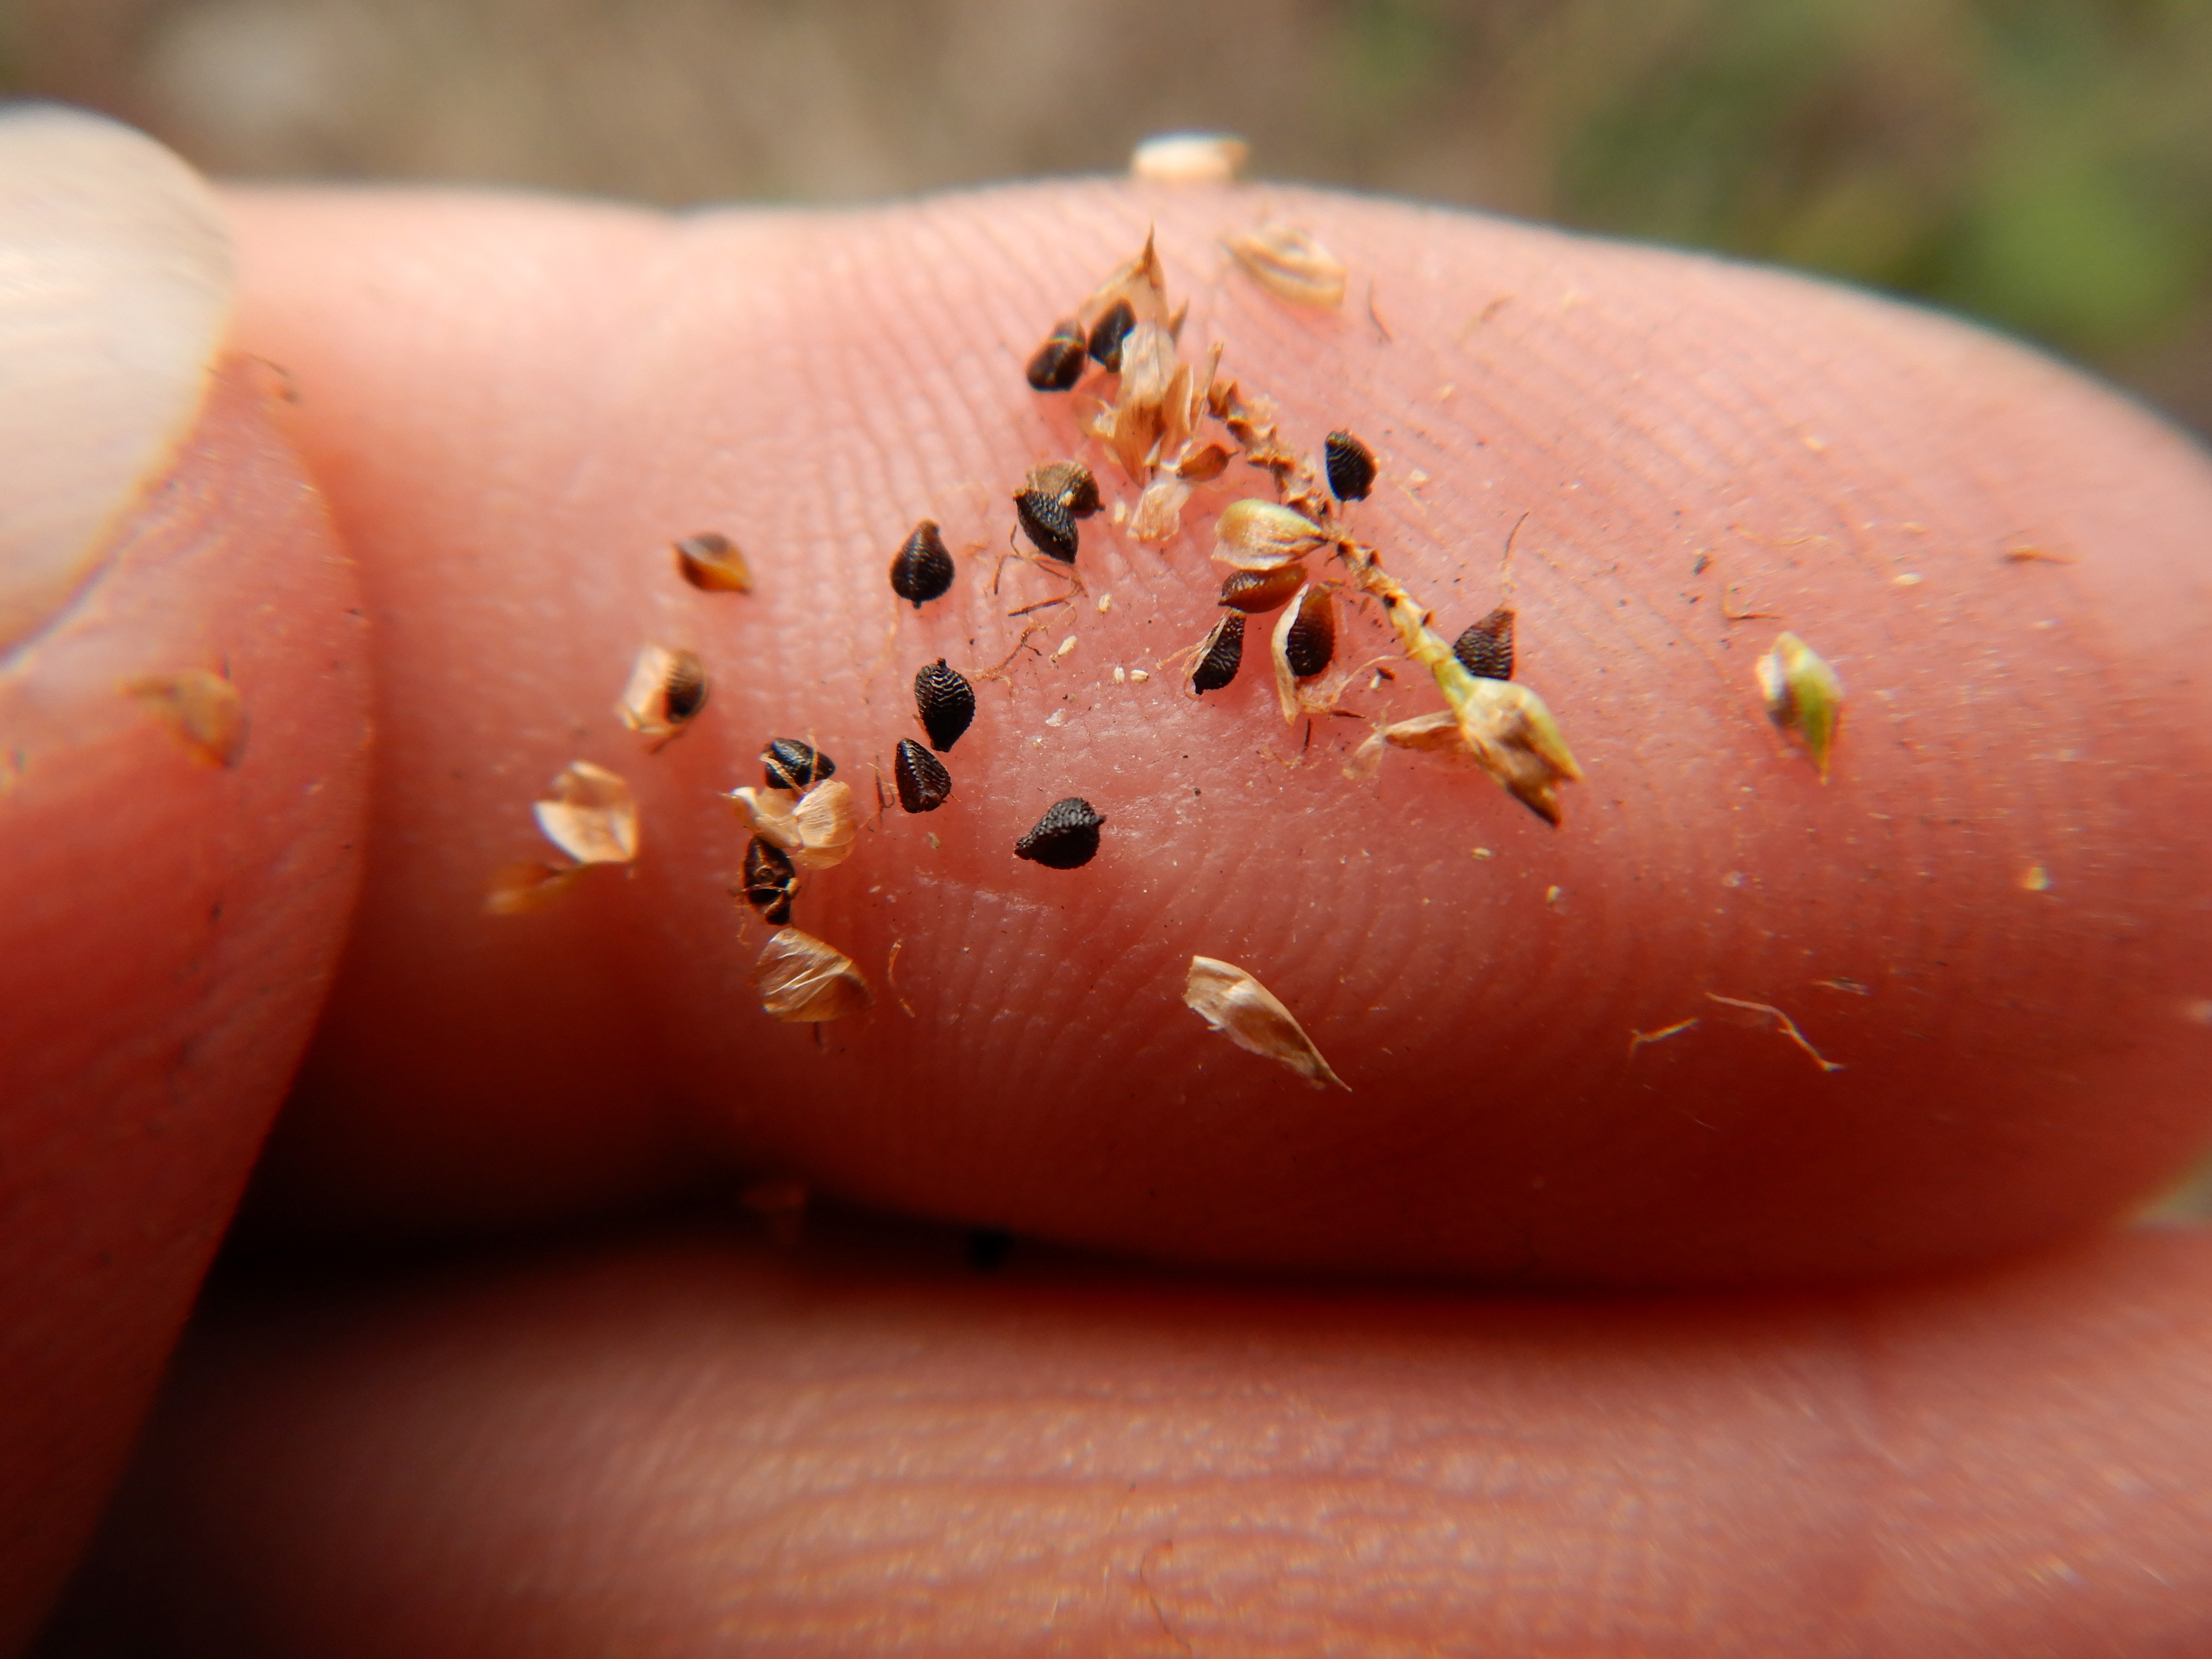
<point x="1255" y="592"/>
<point x="711" y="563"/>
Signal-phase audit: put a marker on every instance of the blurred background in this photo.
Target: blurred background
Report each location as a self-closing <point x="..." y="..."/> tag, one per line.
<point x="2046" y="165"/>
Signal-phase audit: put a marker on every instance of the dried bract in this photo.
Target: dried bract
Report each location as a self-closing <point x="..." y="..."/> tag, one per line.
<point x="826" y="826"/>
<point x="1803" y="696"/>
<point x="1221" y="656"/>
<point x="1066" y="838"/>
<point x="1485" y="650"/>
<point x="924" y="785"/>
<point x="521" y="888"/>
<point x="771" y="815"/>
<point x="770" y="882"/>
<point x="802" y="981"/>
<point x="711" y="563"/>
<point x="1189" y="158"/>
<point x="1256" y="535"/>
<point x="1159" y="509"/>
<point x="788" y="764"/>
<point x="945" y="702"/>
<point x="1108" y="333"/>
<point x="1351" y="466"/>
<point x="594" y="821"/>
<point x="1058" y="364"/>
<point x="1250" y="1016"/>
<point x="1205" y="464"/>
<point x="1255" y="592"/>
<point x="1291" y="264"/>
<point x="666" y="689"/>
<point x="204" y="709"/>
<point x="921" y="569"/>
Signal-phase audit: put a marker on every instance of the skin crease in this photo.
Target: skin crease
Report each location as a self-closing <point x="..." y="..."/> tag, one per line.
<point x="665" y="1445"/>
<point x="1991" y="915"/>
<point x="146" y="1039"/>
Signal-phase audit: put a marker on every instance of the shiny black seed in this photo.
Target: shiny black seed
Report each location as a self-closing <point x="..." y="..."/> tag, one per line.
<point x="1311" y="641"/>
<point x="1046" y="522"/>
<point x="921" y="569"/>
<point x="684" y="692"/>
<point x="1066" y="838"/>
<point x="788" y="764"/>
<point x="946" y="703"/>
<point x="1257" y="591"/>
<point x="1221" y="656"/>
<point x="1057" y="364"/>
<point x="1485" y="650"/>
<point x="924" y="785"/>
<point x="1108" y="333"/>
<point x="769" y="882"/>
<point x="1351" y="466"/>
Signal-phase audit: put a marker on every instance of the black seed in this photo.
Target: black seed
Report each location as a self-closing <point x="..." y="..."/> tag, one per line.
<point x="769" y="882"/>
<point x="1485" y="650"/>
<point x="946" y="703"/>
<point x="921" y="569"/>
<point x="1046" y="522"/>
<point x="1066" y="838"/>
<point x="685" y="691"/>
<point x="1057" y="364"/>
<point x="924" y="785"/>
<point x="1108" y="333"/>
<point x="1351" y="466"/>
<point x="788" y="764"/>
<point x="987" y="1248"/>
<point x="1221" y="656"/>
<point x="1257" y="591"/>
<point x="1312" y="639"/>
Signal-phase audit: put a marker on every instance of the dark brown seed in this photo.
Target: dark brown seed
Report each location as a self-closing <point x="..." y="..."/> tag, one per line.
<point x="921" y="569"/>
<point x="1351" y="466"/>
<point x="788" y="764"/>
<point x="1046" y="521"/>
<point x="946" y="703"/>
<point x="1258" y="592"/>
<point x="710" y="562"/>
<point x="1066" y="838"/>
<point x="769" y="882"/>
<point x="685" y="690"/>
<point x="1221" y="656"/>
<point x="1057" y="364"/>
<point x="1485" y="650"/>
<point x="1108" y="333"/>
<point x="1312" y="639"/>
<point x="924" y="785"/>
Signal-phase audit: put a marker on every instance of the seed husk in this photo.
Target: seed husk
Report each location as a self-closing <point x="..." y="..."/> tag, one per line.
<point x="1255" y="592"/>
<point x="1803" y="695"/>
<point x="1058" y="364"/>
<point x="594" y="819"/>
<point x="711" y="563"/>
<point x="1231" y="1001"/>
<point x="770" y="881"/>
<point x="1045" y="520"/>
<point x="1351" y="466"/>
<point x="924" y="785"/>
<point x="788" y="764"/>
<point x="827" y="828"/>
<point x="521" y="888"/>
<point x="1485" y="650"/>
<point x="1108" y="333"/>
<point x="803" y="981"/>
<point x="666" y="689"/>
<point x="945" y="702"/>
<point x="770" y="815"/>
<point x="1064" y="838"/>
<point x="203" y="708"/>
<point x="1221" y="656"/>
<point x="921" y="569"/>
<point x="1256" y="535"/>
<point x="1291" y="264"/>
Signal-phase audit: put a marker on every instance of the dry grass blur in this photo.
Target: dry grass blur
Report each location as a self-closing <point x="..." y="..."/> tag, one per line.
<point x="2046" y="164"/>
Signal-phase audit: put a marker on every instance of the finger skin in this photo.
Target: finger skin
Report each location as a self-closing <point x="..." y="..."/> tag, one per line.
<point x="171" y="927"/>
<point x="686" y="1446"/>
<point x="1991" y="915"/>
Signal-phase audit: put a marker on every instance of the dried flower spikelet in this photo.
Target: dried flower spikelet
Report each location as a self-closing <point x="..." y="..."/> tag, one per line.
<point x="595" y="819"/>
<point x="770" y="814"/>
<point x="521" y="888"/>
<point x="1159" y="509"/>
<point x="1250" y="1016"/>
<point x="802" y="981"/>
<point x="826" y="826"/>
<point x="712" y="562"/>
<point x="1291" y="264"/>
<point x="1511" y="735"/>
<point x="1255" y="535"/>
<point x="1153" y="377"/>
<point x="1189" y="158"/>
<point x="204" y="709"/>
<point x="666" y="689"/>
<point x="1803" y="696"/>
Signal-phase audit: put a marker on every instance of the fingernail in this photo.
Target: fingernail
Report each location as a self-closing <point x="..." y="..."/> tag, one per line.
<point x="116" y="281"/>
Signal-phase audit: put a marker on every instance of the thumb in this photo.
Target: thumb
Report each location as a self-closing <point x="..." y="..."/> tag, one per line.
<point x="181" y="777"/>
